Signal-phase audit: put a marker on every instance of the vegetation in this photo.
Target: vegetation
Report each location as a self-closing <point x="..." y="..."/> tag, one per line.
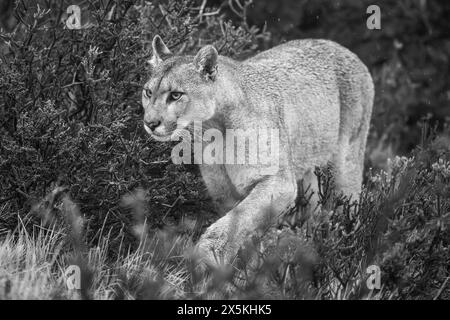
<point x="81" y="183"/>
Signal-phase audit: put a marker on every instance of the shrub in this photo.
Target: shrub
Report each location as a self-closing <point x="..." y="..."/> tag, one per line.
<point x="400" y="223"/>
<point x="72" y="152"/>
<point x="70" y="107"/>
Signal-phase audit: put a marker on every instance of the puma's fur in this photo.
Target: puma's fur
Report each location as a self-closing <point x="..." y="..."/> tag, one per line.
<point x="317" y="93"/>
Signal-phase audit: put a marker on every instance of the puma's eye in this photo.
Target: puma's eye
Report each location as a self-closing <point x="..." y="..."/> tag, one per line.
<point x="175" y="95"/>
<point x="148" y="93"/>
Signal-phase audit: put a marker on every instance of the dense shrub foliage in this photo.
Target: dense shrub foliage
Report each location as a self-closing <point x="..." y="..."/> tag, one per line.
<point x="70" y="104"/>
<point x="80" y="181"/>
<point x="401" y="224"/>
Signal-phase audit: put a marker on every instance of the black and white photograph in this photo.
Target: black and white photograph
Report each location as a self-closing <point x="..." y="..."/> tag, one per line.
<point x="251" y="151"/>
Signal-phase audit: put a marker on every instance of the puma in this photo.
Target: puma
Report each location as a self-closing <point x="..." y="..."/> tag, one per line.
<point x="316" y="93"/>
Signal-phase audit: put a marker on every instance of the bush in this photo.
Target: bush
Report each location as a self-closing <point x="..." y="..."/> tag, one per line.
<point x="73" y="154"/>
<point x="400" y="223"/>
<point x="70" y="108"/>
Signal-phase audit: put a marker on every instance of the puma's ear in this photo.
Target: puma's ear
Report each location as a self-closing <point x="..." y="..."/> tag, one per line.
<point x="206" y="62"/>
<point x="159" y="50"/>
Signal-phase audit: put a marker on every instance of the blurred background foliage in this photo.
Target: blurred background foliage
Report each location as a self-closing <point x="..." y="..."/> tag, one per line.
<point x="408" y="58"/>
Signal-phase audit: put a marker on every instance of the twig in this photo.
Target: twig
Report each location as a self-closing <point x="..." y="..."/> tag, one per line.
<point x="202" y="8"/>
<point x="23" y="193"/>
<point x="71" y="84"/>
<point x="6" y="199"/>
<point x="171" y="207"/>
<point x="441" y="289"/>
<point x="153" y="162"/>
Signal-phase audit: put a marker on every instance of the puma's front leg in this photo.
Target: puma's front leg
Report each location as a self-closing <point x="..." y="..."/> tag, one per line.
<point x="220" y="188"/>
<point x="223" y="239"/>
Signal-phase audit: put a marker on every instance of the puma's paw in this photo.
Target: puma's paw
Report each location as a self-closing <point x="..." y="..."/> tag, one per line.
<point x="213" y="247"/>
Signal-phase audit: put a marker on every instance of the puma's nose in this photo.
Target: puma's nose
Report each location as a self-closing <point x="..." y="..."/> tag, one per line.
<point x="152" y="125"/>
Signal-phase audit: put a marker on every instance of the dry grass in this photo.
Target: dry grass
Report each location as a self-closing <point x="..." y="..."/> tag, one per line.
<point x="33" y="265"/>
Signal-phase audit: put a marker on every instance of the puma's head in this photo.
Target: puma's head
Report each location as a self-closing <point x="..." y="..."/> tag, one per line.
<point x="181" y="89"/>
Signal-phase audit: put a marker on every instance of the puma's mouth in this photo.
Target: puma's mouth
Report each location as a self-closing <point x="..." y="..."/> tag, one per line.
<point x="161" y="137"/>
<point x="158" y="136"/>
<point x="162" y="134"/>
<point x="155" y="134"/>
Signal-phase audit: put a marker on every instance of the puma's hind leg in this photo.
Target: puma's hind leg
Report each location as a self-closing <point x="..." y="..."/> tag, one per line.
<point x="349" y="168"/>
<point x="356" y="108"/>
